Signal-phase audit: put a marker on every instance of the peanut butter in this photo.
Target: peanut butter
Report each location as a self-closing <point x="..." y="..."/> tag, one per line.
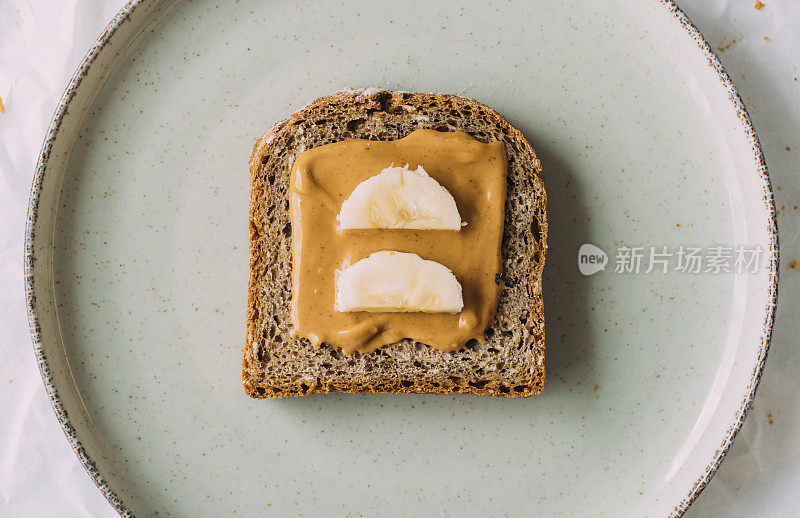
<point x="321" y="180"/>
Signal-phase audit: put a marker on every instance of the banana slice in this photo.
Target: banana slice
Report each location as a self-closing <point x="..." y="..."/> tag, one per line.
<point x="397" y="282"/>
<point x="399" y="197"/>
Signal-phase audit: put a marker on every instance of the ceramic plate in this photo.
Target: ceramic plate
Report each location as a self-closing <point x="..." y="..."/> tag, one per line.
<point x="137" y="262"/>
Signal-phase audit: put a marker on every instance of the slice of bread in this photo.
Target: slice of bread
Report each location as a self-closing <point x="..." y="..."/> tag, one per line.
<point x="509" y="362"/>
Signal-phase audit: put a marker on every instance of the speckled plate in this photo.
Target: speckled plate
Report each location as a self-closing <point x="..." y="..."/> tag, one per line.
<point x="137" y="262"/>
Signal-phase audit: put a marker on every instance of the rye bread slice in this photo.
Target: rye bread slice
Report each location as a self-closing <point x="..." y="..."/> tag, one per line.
<point x="509" y="362"/>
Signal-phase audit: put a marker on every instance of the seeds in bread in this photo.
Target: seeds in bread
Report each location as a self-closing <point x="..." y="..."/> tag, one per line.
<point x="509" y="362"/>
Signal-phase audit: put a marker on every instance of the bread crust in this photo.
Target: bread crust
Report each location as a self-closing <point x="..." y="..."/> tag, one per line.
<point x="276" y="365"/>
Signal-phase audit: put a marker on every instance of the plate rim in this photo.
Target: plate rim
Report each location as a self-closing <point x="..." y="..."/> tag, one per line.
<point x="123" y="15"/>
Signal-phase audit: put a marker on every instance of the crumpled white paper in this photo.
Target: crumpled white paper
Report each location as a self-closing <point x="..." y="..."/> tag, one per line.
<point x="41" y="44"/>
<point x="761" y="474"/>
<point x="43" y="41"/>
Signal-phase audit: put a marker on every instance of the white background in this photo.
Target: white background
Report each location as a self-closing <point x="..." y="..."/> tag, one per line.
<point x="42" y="42"/>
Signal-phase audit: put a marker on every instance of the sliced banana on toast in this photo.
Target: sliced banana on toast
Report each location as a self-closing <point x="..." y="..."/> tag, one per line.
<point x="389" y="281"/>
<point x="399" y="197"/>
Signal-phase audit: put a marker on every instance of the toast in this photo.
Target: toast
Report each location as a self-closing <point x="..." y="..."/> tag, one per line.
<point x="508" y="362"/>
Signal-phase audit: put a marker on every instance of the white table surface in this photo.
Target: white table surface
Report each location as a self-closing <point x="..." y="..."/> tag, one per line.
<point x="41" y="43"/>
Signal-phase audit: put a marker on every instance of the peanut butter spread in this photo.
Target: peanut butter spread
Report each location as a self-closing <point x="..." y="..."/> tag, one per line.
<point x="321" y="180"/>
